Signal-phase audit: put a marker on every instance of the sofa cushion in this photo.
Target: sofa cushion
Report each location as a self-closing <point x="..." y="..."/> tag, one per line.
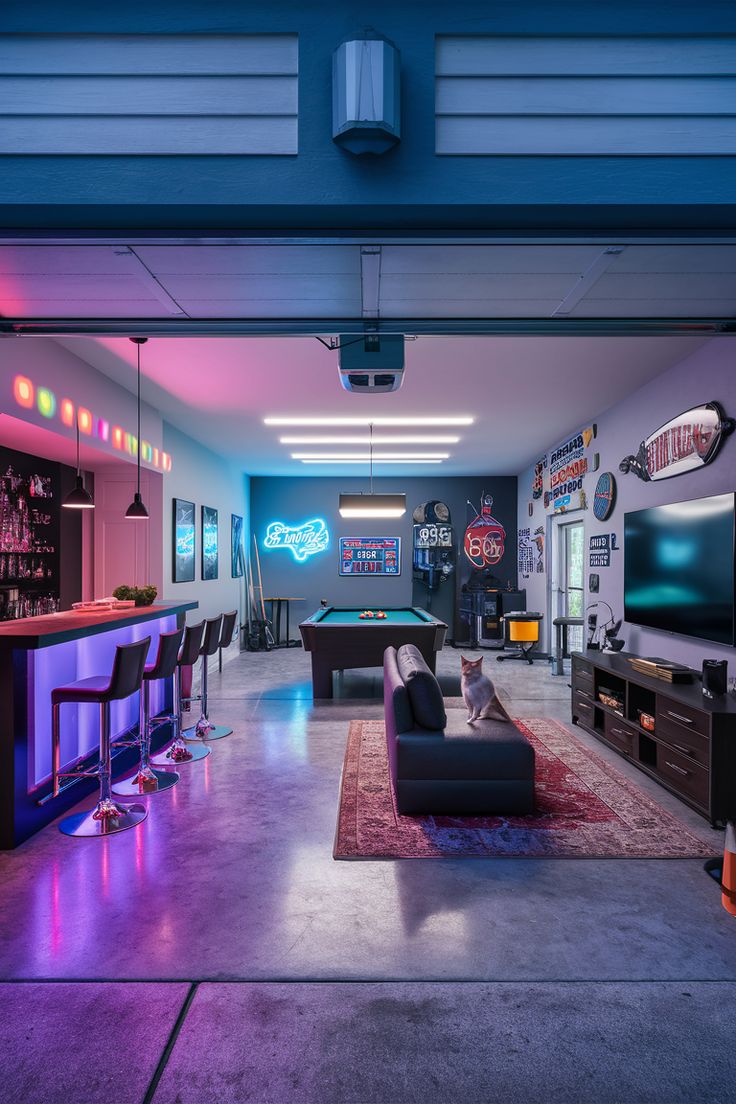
<point x="424" y="690"/>
<point x="484" y="750"/>
<point x="397" y="707"/>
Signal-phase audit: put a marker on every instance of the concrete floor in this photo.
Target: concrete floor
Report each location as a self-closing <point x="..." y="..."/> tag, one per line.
<point x="244" y="963"/>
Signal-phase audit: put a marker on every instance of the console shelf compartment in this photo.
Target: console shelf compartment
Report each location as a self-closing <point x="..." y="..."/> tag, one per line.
<point x="691" y="750"/>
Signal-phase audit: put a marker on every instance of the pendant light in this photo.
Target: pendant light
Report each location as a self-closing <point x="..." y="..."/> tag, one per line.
<point x="137" y="510"/>
<point x="79" y="498"/>
<point x="359" y="505"/>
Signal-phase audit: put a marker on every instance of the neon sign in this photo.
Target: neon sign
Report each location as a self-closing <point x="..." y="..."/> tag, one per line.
<point x="28" y="396"/>
<point x="302" y="540"/>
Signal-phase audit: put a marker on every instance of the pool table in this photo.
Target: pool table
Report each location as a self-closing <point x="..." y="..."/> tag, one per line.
<point x="339" y="640"/>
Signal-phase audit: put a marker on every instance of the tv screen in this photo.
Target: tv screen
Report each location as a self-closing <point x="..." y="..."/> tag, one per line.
<point x="679" y="568"/>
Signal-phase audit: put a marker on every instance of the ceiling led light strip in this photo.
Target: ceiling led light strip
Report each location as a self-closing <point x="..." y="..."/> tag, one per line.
<point x="376" y="456"/>
<point x="367" y="422"/>
<point x="377" y="440"/>
<point x="375" y="462"/>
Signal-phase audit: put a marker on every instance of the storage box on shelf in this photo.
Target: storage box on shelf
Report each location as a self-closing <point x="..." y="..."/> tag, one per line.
<point x="669" y="730"/>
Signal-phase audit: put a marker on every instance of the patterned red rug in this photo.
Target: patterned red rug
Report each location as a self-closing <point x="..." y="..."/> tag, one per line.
<point x="585" y="808"/>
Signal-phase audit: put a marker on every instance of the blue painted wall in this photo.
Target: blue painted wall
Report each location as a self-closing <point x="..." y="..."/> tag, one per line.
<point x="408" y="189"/>
<point x="293" y="501"/>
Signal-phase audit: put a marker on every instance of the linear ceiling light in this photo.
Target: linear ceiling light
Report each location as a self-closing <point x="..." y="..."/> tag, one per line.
<point x="366" y="422"/>
<point x="359" y="505"/>
<point x="377" y="457"/>
<point x="392" y="462"/>
<point x="377" y="440"/>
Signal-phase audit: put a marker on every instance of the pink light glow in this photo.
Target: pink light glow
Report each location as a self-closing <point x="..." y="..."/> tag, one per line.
<point x="23" y="392"/>
<point x="67" y="412"/>
<point x="103" y="429"/>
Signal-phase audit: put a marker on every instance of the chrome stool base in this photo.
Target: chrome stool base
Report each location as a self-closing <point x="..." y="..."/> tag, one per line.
<point x="145" y="782"/>
<point x="175" y="756"/>
<point x="100" y="821"/>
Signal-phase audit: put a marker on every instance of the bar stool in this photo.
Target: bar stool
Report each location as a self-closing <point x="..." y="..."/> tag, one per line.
<point x="226" y="635"/>
<point x="146" y="780"/>
<point x="107" y="817"/>
<point x="204" y="729"/>
<point x="178" y="751"/>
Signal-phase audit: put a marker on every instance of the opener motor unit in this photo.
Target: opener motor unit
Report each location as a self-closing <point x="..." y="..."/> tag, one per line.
<point x="371" y="364"/>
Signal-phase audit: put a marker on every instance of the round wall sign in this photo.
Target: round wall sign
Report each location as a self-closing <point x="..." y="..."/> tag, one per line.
<point x="604" y="498"/>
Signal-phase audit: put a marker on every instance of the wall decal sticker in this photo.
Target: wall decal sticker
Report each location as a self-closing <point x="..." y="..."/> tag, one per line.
<point x="601" y="547"/>
<point x="568" y="465"/>
<point x="689" y="441"/>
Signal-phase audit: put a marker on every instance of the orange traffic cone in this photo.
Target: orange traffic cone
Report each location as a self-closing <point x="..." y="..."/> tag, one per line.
<point x="728" y="878"/>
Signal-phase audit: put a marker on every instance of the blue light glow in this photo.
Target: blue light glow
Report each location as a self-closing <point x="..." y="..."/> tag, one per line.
<point x="303" y="540"/>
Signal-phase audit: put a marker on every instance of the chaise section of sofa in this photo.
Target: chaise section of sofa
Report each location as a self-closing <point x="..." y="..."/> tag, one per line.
<point x="439" y="764"/>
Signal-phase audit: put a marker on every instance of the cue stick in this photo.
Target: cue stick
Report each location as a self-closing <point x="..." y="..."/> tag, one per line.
<point x="266" y="624"/>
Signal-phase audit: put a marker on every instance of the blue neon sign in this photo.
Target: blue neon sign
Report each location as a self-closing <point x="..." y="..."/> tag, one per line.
<point x="302" y="540"/>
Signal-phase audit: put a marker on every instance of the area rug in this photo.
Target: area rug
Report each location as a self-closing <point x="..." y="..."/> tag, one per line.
<point x="584" y="808"/>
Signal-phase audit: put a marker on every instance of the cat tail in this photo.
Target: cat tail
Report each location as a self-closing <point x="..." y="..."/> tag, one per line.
<point x="495" y="711"/>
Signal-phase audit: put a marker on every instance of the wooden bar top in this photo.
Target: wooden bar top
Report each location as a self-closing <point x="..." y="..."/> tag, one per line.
<point x="58" y="628"/>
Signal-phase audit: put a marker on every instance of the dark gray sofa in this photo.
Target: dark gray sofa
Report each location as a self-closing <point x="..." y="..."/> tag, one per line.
<point x="440" y="764"/>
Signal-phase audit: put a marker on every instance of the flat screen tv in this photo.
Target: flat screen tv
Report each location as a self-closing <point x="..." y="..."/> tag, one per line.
<point x="679" y="568"/>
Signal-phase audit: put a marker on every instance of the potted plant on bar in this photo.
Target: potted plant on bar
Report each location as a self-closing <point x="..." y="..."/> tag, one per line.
<point x="142" y="596"/>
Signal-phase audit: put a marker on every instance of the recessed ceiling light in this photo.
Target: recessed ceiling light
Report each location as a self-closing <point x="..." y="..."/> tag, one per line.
<point x="364" y="456"/>
<point x="367" y="422"/>
<point x="377" y="440"/>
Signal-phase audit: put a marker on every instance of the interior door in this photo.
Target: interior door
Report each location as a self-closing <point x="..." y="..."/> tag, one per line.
<point x="567" y="595"/>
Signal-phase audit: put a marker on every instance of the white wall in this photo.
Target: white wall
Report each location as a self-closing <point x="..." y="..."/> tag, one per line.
<point x="706" y="375"/>
<point x="206" y="479"/>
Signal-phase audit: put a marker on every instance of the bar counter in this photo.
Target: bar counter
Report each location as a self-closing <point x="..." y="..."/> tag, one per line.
<point x="39" y="653"/>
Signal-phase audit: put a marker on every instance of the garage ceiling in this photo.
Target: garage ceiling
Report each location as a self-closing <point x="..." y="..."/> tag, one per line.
<point x="523" y="392"/>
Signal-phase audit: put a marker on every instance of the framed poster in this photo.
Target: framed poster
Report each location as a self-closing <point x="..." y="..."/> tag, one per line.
<point x="183" y="539"/>
<point x="237" y="554"/>
<point x="370" y="556"/>
<point x="209" y="543"/>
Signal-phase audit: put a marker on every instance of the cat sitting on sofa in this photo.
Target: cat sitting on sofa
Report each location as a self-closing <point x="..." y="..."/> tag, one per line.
<point x="480" y="693"/>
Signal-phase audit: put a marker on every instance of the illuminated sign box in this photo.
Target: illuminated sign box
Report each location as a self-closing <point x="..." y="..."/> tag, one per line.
<point x="370" y="556"/>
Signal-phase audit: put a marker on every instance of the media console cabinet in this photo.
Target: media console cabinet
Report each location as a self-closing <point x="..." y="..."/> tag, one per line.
<point x="692" y="747"/>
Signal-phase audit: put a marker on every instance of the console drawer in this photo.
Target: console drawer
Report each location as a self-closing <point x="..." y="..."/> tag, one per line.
<point x="582" y="690"/>
<point x="582" y="673"/>
<point x="685" y="741"/>
<point x="616" y="732"/>
<point x="683" y="716"/>
<point x="684" y="775"/>
<point x="582" y="707"/>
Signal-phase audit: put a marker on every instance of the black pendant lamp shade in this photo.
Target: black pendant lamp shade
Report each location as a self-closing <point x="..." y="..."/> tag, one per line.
<point x="137" y="510"/>
<point x="79" y="498"/>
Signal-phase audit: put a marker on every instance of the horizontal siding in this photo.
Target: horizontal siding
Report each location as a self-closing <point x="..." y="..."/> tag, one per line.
<point x="147" y="95"/>
<point x="530" y="57"/>
<point x="165" y="135"/>
<point x="586" y="96"/>
<point x="595" y="136"/>
<point x="152" y="55"/>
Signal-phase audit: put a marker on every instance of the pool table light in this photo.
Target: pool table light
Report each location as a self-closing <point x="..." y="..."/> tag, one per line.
<point x="358" y="505"/>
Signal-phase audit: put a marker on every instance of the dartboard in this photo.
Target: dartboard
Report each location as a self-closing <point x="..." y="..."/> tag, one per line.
<point x="605" y="496"/>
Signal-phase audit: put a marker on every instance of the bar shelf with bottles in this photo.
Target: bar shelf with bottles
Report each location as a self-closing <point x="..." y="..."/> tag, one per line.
<point x="29" y="536"/>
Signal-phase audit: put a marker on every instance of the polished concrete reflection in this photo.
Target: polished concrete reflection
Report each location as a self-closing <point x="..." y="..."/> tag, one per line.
<point x="231" y="877"/>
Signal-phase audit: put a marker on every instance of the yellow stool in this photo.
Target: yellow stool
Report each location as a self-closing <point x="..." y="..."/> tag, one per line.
<point x="521" y="629"/>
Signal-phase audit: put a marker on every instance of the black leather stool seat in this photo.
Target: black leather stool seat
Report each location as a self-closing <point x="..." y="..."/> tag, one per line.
<point x="96" y="689"/>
